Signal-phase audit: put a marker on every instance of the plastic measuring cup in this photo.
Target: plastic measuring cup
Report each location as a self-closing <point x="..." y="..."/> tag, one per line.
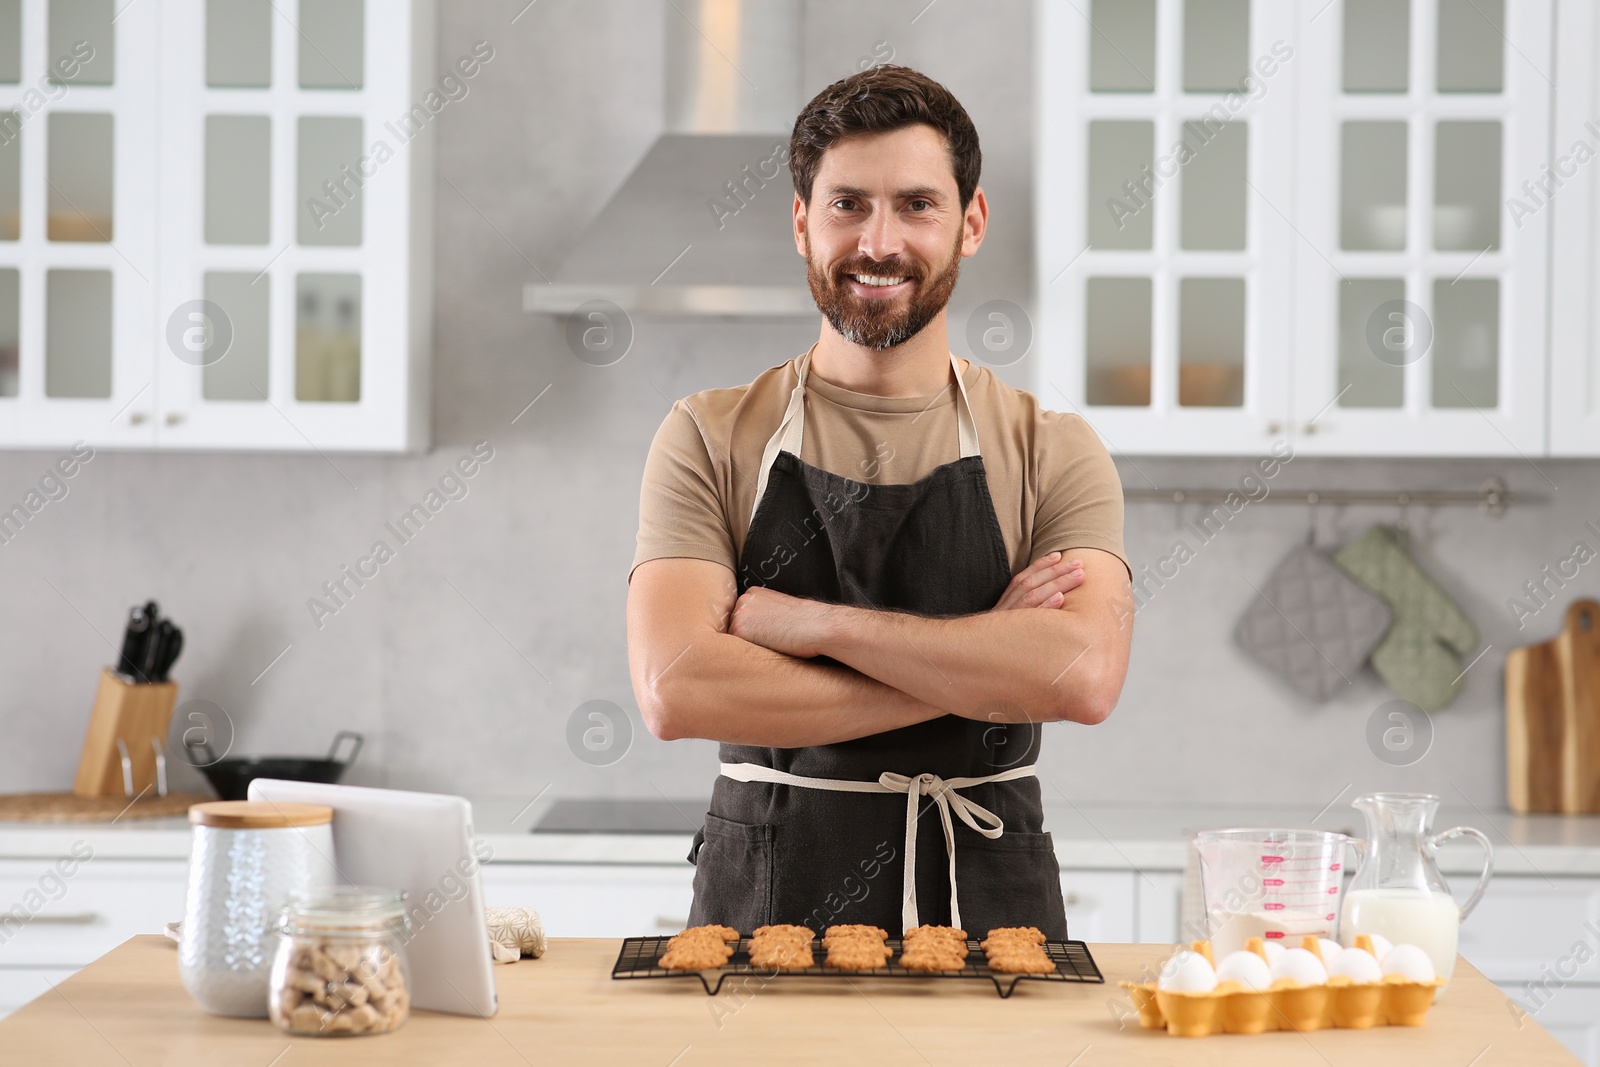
<point x="1275" y="884"/>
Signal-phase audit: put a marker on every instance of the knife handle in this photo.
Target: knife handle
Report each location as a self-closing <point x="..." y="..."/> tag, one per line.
<point x="171" y="645"/>
<point x="134" y="641"/>
<point x="156" y="650"/>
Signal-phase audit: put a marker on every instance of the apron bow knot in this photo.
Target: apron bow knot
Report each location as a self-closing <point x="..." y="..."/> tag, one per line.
<point x="946" y="798"/>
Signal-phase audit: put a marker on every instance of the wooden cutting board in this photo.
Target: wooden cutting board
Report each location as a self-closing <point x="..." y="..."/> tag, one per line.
<point x="1553" y="718"/>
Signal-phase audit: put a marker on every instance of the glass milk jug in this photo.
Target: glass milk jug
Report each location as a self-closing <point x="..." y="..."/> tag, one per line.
<point x="1398" y="891"/>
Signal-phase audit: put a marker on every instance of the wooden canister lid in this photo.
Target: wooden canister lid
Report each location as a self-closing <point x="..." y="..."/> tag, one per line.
<point x="258" y="814"/>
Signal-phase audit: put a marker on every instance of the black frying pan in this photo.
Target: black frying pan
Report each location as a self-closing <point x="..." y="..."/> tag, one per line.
<point x="231" y="778"/>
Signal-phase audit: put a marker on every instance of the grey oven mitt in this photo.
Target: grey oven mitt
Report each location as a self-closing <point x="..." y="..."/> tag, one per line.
<point x="1312" y="624"/>
<point x="1421" y="655"/>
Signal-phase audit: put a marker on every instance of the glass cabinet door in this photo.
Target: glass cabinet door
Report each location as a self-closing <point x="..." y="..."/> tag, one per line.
<point x="77" y="223"/>
<point x="296" y="139"/>
<point x="1163" y="205"/>
<point x="1421" y="327"/>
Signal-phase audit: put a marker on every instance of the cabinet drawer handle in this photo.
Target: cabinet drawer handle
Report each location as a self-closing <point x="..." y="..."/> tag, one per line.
<point x="667" y="922"/>
<point x="1072" y="900"/>
<point x="74" y="918"/>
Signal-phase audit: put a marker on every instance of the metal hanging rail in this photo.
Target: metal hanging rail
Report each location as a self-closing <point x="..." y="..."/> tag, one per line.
<point x="1492" y="497"/>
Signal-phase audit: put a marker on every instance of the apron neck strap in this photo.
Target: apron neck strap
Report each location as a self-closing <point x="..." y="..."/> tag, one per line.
<point x="790" y="435"/>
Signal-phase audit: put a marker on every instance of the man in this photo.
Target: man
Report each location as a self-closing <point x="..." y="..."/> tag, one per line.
<point x="832" y="578"/>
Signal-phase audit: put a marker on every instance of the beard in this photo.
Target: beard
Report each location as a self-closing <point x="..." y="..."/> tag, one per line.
<point x="881" y="324"/>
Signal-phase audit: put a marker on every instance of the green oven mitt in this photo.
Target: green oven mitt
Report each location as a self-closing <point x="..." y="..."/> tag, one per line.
<point x="1421" y="657"/>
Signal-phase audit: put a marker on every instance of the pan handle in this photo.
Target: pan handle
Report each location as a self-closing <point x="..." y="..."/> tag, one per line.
<point x="201" y="746"/>
<point x="334" y="748"/>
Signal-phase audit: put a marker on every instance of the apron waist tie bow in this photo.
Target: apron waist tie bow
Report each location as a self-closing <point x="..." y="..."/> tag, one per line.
<point x="945" y="797"/>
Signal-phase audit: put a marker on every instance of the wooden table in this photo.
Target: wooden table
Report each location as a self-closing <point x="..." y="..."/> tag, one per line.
<point x="129" y="1008"/>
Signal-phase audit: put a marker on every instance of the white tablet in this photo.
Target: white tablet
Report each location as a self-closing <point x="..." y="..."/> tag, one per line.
<point x="420" y="843"/>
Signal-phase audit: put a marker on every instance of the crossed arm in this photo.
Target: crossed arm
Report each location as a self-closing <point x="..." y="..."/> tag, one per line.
<point x="708" y="662"/>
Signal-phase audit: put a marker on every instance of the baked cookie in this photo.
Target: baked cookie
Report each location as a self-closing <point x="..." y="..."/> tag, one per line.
<point x="784" y="930"/>
<point x="782" y="947"/>
<point x="696" y="954"/>
<point x="780" y="955"/>
<point x="705" y="933"/>
<point x="699" y="948"/>
<point x="1030" y="935"/>
<point x="1018" y="961"/>
<point x="857" y="948"/>
<point x="934" y="948"/>
<point x="926" y="930"/>
<point x="858" y="960"/>
<point x="1017" y="950"/>
<point x="929" y="958"/>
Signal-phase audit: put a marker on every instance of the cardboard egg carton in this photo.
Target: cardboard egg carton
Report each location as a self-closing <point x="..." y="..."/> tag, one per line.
<point x="1232" y="1008"/>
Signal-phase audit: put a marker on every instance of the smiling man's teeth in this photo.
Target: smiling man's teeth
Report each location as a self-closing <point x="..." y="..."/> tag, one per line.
<point x="875" y="279"/>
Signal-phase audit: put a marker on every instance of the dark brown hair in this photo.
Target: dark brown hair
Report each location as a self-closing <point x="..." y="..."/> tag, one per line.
<point x="878" y="100"/>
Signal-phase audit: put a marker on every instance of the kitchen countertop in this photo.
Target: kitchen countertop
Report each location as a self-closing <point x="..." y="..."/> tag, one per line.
<point x="1087" y="836"/>
<point x="565" y="1008"/>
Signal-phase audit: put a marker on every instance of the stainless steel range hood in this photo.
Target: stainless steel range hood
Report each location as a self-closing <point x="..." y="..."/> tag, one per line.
<point x="702" y="224"/>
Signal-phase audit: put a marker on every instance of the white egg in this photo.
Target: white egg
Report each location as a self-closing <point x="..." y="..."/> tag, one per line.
<point x="1274" y="952"/>
<point x="1330" y="951"/>
<point x="1188" y="972"/>
<point x="1410" y="961"/>
<point x="1301" y="965"/>
<point x="1246" y="968"/>
<point x="1356" y="964"/>
<point x="1380" y="946"/>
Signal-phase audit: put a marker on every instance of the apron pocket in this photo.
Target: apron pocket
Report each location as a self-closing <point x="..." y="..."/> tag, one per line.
<point x="1014" y="880"/>
<point x="733" y="875"/>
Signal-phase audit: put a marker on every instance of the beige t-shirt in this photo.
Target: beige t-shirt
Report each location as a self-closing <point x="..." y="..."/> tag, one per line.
<point x="1052" y="482"/>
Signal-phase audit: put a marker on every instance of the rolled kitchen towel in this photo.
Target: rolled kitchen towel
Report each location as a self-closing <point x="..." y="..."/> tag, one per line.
<point x="514" y="932"/>
<point x="1421" y="657"/>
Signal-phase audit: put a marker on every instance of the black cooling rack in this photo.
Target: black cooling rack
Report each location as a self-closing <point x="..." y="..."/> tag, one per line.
<point x="640" y="958"/>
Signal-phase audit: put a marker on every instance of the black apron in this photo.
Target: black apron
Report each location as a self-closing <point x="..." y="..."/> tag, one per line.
<point x="784" y="853"/>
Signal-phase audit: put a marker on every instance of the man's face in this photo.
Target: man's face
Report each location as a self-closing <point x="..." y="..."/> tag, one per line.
<point x="884" y="234"/>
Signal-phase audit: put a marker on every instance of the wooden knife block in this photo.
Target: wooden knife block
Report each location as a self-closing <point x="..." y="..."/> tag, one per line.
<point x="134" y="714"/>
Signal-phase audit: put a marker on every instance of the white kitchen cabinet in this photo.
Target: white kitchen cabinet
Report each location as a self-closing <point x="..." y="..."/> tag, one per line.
<point x="18" y="985"/>
<point x="1347" y="271"/>
<point x="595" y="900"/>
<point x="1539" y="941"/>
<point x="1099" y="905"/>
<point x="1159" y="904"/>
<point x="1569" y="193"/>
<point x="1164" y="289"/>
<point x="264" y="280"/>
<point x="80" y="918"/>
<point x="1529" y="929"/>
<point x="1572" y="1015"/>
<point x="78" y="153"/>
<point x="1420" y="300"/>
<point x="73" y="920"/>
